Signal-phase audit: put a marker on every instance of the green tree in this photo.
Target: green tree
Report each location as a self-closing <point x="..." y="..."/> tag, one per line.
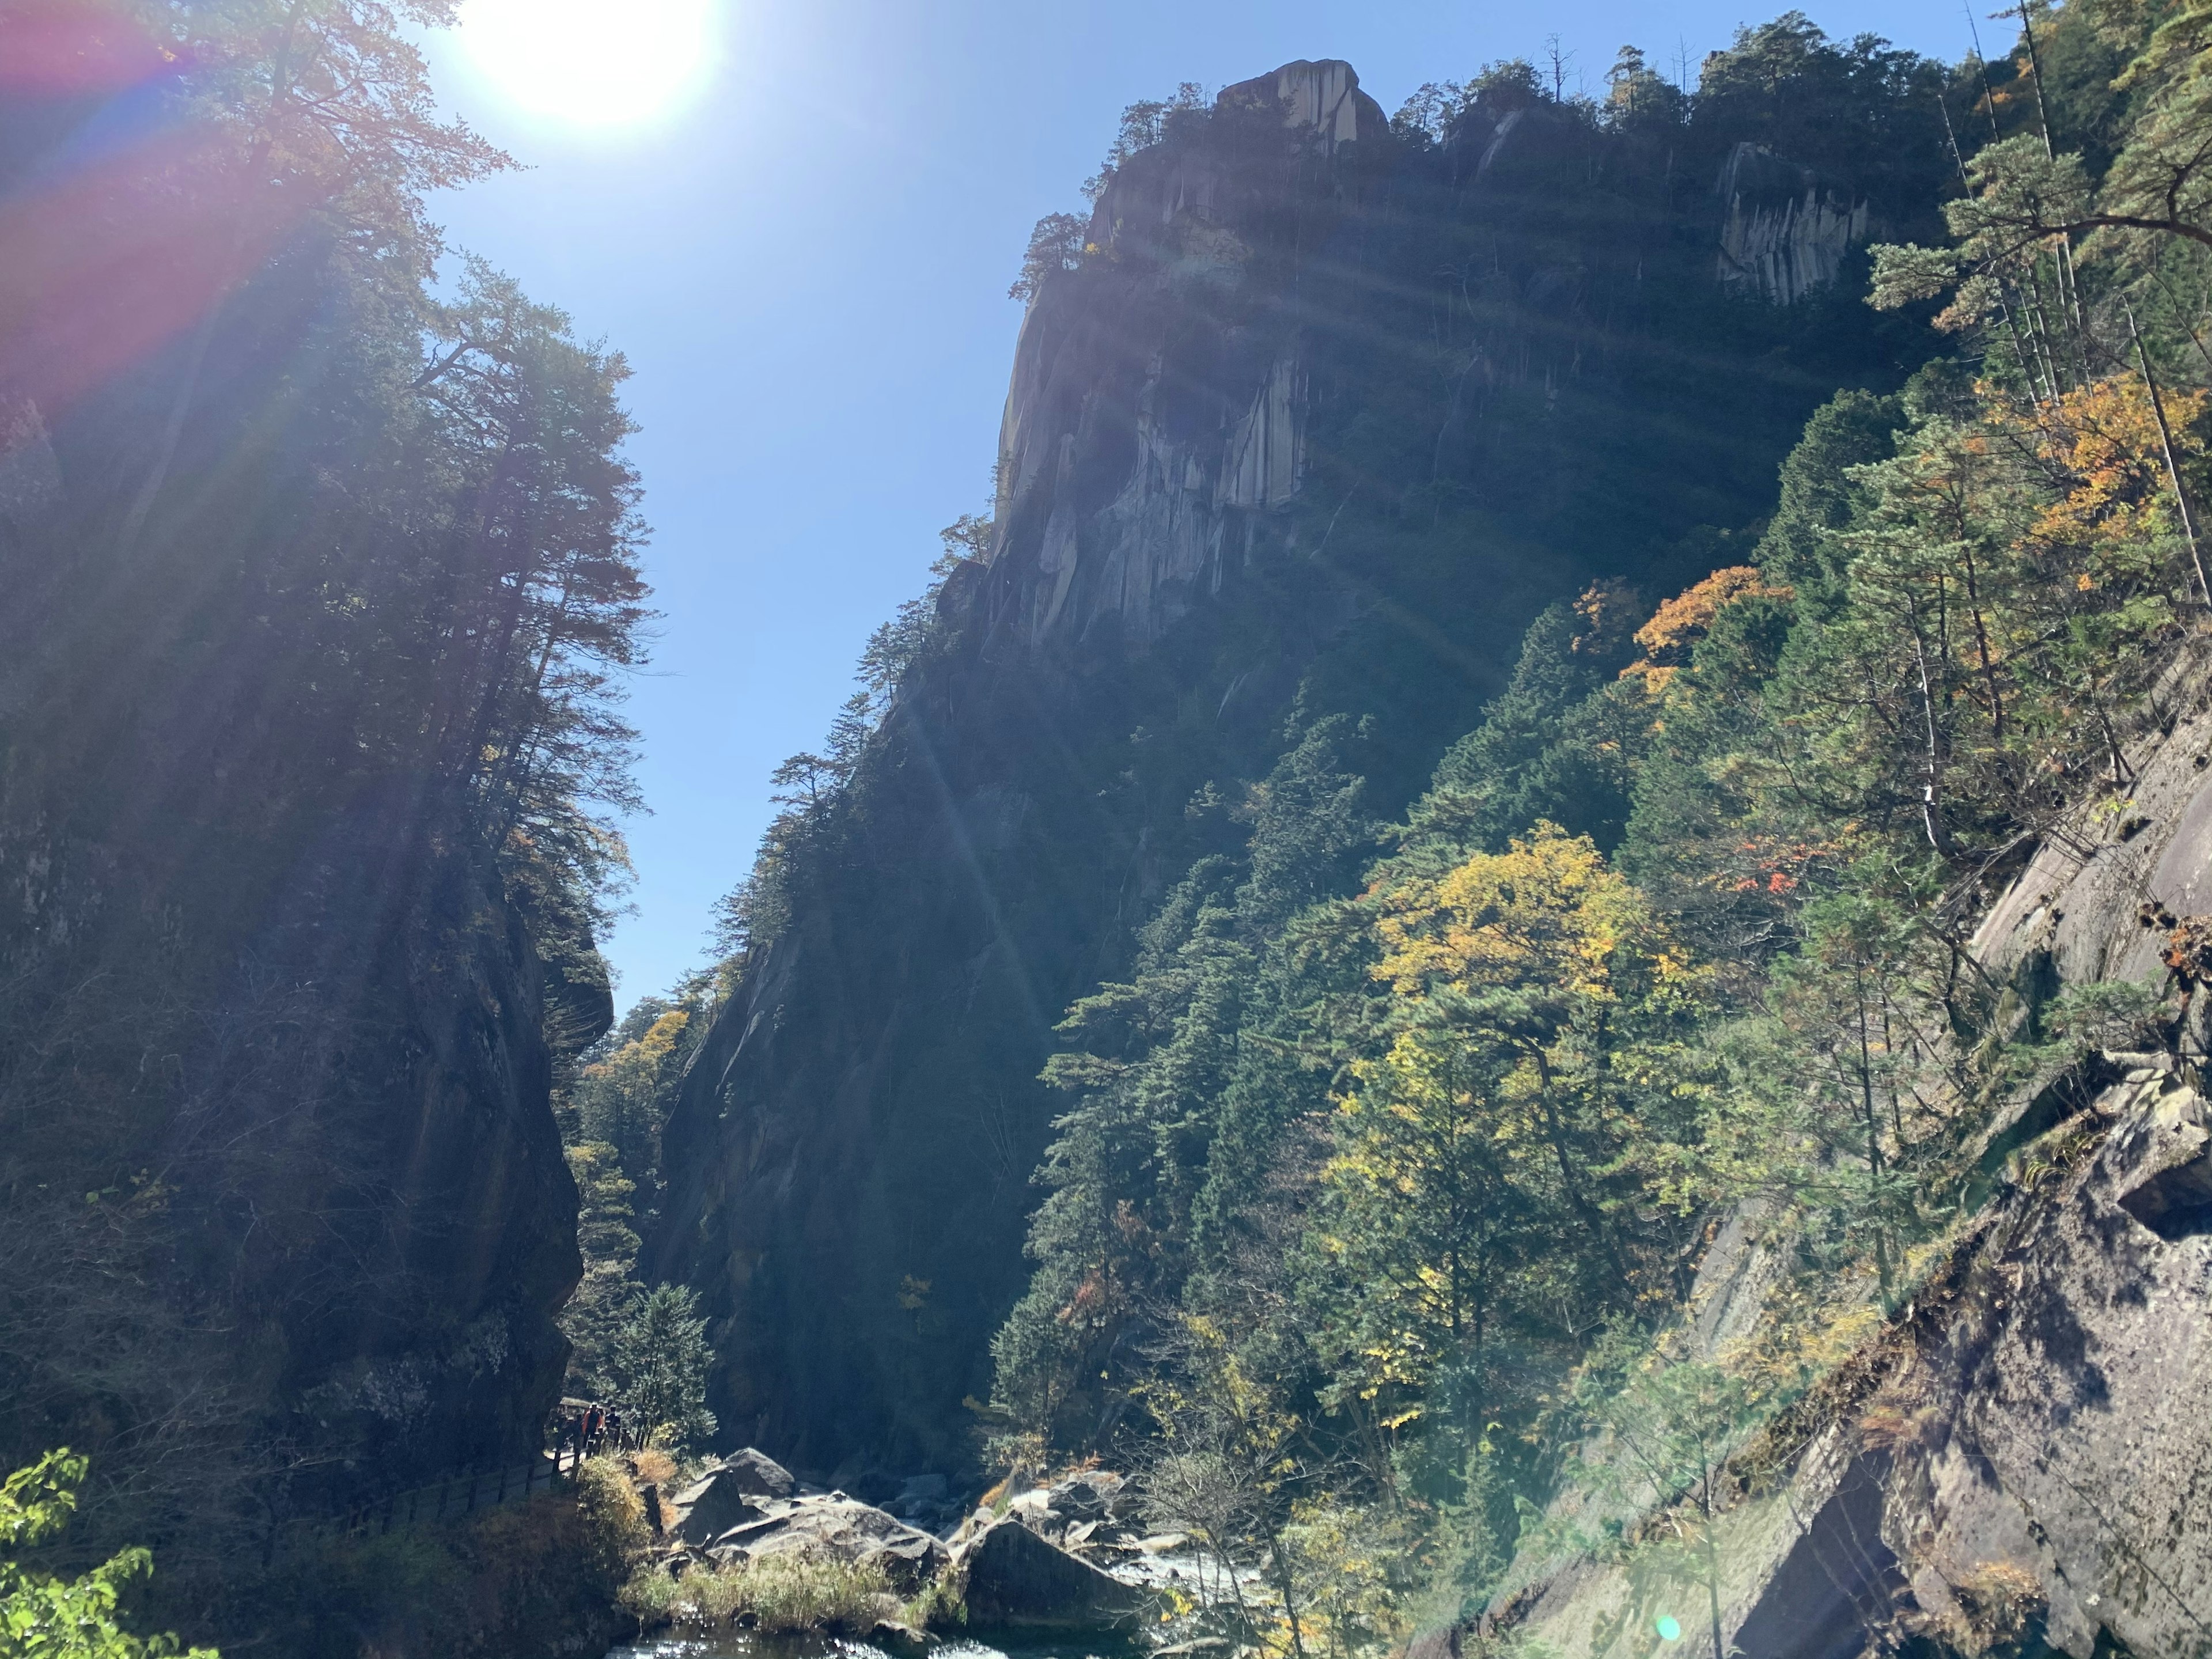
<point x="660" y="1363"/>
<point x="1662" y="1431"/>
<point x="1494" y="1159"/>
<point x="45" y="1616"/>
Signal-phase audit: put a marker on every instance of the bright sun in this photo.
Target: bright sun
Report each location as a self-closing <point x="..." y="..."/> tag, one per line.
<point x="590" y="63"/>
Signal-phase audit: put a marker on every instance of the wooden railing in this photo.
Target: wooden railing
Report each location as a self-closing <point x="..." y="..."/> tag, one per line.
<point x="463" y="1493"/>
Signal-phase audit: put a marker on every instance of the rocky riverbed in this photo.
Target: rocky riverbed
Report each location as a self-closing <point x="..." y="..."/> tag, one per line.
<point x="1045" y="1572"/>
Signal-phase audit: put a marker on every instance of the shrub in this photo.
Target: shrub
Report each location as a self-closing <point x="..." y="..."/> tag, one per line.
<point x="522" y="1578"/>
<point x="653" y="1466"/>
<point x="43" y="1616"/>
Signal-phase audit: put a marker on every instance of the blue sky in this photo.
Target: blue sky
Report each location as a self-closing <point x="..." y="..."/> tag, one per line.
<point x="807" y="264"/>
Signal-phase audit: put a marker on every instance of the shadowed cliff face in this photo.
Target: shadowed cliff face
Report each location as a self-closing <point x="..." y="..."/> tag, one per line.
<point x="1320" y="417"/>
<point x="1784" y="235"/>
<point x="283" y="1206"/>
<point x="288" y="1220"/>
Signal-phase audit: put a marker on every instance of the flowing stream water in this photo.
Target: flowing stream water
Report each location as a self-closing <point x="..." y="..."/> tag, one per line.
<point x="739" y="1645"/>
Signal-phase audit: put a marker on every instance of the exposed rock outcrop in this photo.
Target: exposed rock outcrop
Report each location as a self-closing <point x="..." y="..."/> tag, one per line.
<point x="2073" y="915"/>
<point x="1122" y="492"/>
<point x="831" y="1526"/>
<point x="1012" y="1579"/>
<point x="730" y="1494"/>
<point x="2022" y="1459"/>
<point x="1785" y="231"/>
<point x="365" y="1225"/>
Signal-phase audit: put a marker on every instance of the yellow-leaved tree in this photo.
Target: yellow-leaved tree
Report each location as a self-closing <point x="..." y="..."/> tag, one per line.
<point x="1511" y="1166"/>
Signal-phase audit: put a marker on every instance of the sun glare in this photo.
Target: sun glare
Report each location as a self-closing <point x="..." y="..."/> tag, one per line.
<point x="589" y="64"/>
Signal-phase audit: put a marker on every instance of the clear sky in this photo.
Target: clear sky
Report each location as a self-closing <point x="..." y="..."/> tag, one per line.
<point x="805" y="252"/>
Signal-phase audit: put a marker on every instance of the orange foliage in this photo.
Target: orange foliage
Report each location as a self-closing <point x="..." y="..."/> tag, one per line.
<point x="2105" y="435"/>
<point x="1685" y="619"/>
<point x="1602" y="612"/>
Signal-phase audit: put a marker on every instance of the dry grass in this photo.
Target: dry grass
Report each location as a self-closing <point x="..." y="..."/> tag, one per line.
<point x="780" y="1595"/>
<point x="653" y="1466"/>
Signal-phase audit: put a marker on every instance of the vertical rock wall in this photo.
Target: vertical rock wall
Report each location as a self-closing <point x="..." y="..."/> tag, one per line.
<point x="1785" y="231"/>
<point x="1136" y="448"/>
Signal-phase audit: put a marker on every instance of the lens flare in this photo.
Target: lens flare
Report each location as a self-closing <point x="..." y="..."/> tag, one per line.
<point x="587" y="63"/>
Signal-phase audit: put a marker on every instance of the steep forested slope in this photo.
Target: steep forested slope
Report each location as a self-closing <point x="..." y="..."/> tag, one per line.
<point x="313" y="585"/>
<point x="1731" y="1171"/>
<point x="1309" y="418"/>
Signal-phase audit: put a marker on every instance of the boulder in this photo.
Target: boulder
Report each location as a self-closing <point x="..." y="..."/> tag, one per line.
<point x="841" y="1529"/>
<point x="713" y="1505"/>
<point x="758" y="1474"/>
<point x="1033" y="1510"/>
<point x="925" y="1499"/>
<point x="744" y="1486"/>
<point x="1012" y="1579"/>
<point x="1092" y="1495"/>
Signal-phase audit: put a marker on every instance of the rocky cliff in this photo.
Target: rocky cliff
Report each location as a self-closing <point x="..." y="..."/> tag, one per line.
<point x="288" y="1220"/>
<point x="2018" y="1463"/>
<point x="1139" y="452"/>
<point x="2017" y="1467"/>
<point x="286" y="1215"/>
<point x="1318" y="415"/>
<point x="1785" y="232"/>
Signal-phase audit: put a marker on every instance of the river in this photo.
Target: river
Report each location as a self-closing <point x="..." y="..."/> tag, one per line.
<point x="740" y="1644"/>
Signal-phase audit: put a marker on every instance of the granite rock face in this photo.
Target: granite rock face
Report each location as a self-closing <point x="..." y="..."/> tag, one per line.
<point x="2024" y="1458"/>
<point x="367" y="1224"/>
<point x="1133" y="452"/>
<point x="2020" y="1463"/>
<point x="2072" y="916"/>
<point x="1785" y="231"/>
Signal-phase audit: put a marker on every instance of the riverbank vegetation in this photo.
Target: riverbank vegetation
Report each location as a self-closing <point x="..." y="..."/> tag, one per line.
<point x="778" y="1595"/>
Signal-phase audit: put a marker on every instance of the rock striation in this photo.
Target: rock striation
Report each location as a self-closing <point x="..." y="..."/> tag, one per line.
<point x="1134" y="455"/>
<point x="1786" y="232"/>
